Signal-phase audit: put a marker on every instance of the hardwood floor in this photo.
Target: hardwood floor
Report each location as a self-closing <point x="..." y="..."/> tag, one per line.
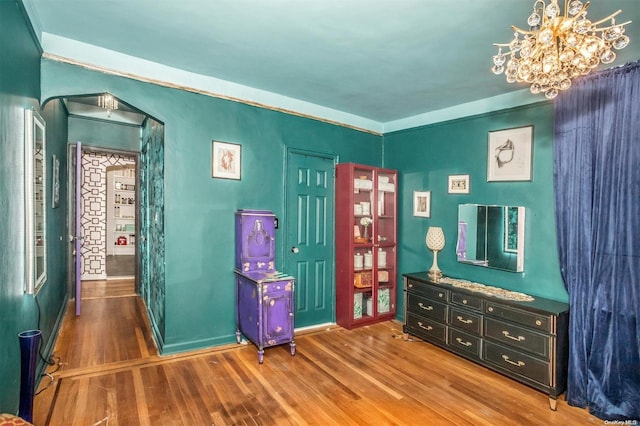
<point x="108" y="288"/>
<point x="111" y="374"/>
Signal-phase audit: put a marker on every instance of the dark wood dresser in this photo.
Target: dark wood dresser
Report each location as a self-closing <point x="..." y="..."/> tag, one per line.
<point x="525" y="340"/>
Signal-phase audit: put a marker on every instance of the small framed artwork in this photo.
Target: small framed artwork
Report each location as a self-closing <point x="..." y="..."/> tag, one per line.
<point x="422" y="203"/>
<point x="510" y="154"/>
<point x="458" y="184"/>
<point x="226" y="160"/>
<point x="55" y="182"/>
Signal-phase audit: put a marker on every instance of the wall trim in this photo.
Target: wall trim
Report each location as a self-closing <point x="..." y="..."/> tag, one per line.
<point x="164" y="83"/>
<point x="173" y="348"/>
<point x="53" y="338"/>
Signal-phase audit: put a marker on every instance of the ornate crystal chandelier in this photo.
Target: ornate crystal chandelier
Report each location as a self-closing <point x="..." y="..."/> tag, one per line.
<point x="108" y="102"/>
<point x="558" y="47"/>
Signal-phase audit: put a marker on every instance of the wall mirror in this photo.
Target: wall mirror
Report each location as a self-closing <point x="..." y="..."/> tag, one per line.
<point x="491" y="236"/>
<point x="35" y="202"/>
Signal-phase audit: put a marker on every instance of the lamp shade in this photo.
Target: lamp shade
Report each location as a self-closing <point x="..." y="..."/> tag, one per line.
<point x="435" y="238"/>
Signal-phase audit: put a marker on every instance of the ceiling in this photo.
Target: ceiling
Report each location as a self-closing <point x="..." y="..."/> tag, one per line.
<point x="375" y="64"/>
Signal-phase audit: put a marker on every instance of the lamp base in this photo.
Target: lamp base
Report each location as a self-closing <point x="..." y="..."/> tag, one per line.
<point x="435" y="274"/>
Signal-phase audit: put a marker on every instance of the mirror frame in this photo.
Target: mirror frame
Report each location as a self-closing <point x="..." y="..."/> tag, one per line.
<point x="35" y="174"/>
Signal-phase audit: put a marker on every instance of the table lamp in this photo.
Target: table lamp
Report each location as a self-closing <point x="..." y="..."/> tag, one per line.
<point x="435" y="242"/>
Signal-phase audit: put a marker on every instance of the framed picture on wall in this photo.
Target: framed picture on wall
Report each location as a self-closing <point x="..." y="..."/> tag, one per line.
<point x="226" y="160"/>
<point x="422" y="203"/>
<point x="510" y="154"/>
<point x="458" y="184"/>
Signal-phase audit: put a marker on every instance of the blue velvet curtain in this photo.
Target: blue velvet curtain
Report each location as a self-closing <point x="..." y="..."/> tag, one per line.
<point x="597" y="195"/>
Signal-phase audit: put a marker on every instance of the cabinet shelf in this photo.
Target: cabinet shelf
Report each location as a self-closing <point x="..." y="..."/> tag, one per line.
<point x="121" y="210"/>
<point x="365" y="294"/>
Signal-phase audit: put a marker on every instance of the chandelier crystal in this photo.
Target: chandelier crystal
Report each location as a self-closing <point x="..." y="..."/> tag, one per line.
<point x="108" y="102"/>
<point x="558" y="47"/>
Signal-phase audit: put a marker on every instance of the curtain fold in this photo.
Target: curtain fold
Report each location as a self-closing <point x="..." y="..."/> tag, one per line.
<point x="597" y="196"/>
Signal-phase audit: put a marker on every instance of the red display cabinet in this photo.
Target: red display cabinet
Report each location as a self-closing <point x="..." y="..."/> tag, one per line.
<point x="366" y="244"/>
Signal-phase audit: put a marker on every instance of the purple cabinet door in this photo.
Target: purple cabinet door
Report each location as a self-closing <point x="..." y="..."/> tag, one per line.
<point x="278" y="315"/>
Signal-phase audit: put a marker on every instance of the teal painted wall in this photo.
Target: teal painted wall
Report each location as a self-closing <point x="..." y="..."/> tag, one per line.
<point x="426" y="156"/>
<point x="104" y="134"/>
<point x="20" y="90"/>
<point x="199" y="210"/>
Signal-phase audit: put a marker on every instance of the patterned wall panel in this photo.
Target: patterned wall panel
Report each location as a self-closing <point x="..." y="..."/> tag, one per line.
<point x="94" y="211"/>
<point x="152" y="206"/>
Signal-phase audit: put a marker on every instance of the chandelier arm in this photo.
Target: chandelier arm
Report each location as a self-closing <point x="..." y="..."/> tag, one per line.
<point x="513" y="27"/>
<point x="612" y="26"/>
<point x="607" y="18"/>
<point x="535" y="6"/>
<point x="508" y="52"/>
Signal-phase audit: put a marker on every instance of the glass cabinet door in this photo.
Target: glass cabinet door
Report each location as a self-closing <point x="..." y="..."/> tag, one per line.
<point x="385" y="246"/>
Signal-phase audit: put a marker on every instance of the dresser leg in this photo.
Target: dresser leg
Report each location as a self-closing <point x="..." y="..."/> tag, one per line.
<point x="238" y="337"/>
<point x="292" y="346"/>
<point x="260" y="355"/>
<point x="553" y="403"/>
<point x="405" y="336"/>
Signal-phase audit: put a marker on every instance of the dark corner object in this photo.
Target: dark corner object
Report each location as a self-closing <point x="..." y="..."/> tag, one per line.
<point x="29" y="345"/>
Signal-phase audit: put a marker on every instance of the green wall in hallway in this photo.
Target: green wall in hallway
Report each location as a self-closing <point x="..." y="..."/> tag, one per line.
<point x="20" y="90"/>
<point x="199" y="210"/>
<point x="426" y="156"/>
<point x="104" y="134"/>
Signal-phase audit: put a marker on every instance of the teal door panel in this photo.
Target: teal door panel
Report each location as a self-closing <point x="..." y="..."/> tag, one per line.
<point x="309" y="230"/>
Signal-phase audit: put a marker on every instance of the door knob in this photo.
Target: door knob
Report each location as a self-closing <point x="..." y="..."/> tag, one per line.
<point x="294" y="250"/>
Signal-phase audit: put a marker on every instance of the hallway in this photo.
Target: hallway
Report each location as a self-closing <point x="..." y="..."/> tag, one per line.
<point x="111" y="331"/>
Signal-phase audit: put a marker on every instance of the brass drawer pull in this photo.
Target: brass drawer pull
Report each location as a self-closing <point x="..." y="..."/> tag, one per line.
<point x="440" y="295"/>
<point x="464" y="321"/>
<point x="538" y="323"/>
<point x="517" y="364"/>
<point x="462" y="342"/>
<point x="426" y="308"/>
<point x="428" y="328"/>
<point x="517" y="339"/>
<point x="490" y="309"/>
<point x="464" y="301"/>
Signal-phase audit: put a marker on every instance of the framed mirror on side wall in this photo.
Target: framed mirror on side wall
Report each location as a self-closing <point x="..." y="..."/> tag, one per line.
<point x="35" y="202"/>
<point x="491" y="236"/>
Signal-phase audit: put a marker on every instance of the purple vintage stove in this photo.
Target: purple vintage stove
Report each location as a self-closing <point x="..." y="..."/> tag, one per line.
<point x="264" y="296"/>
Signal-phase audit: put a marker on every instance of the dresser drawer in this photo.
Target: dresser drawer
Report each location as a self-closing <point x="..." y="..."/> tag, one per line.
<point x="517" y="337"/>
<point x="517" y="362"/>
<point x="426" y="328"/>
<point x="466" y="300"/>
<point x="426" y="307"/>
<point x="464" y="342"/>
<point x="428" y="290"/>
<point x="539" y="322"/>
<point x="465" y="320"/>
